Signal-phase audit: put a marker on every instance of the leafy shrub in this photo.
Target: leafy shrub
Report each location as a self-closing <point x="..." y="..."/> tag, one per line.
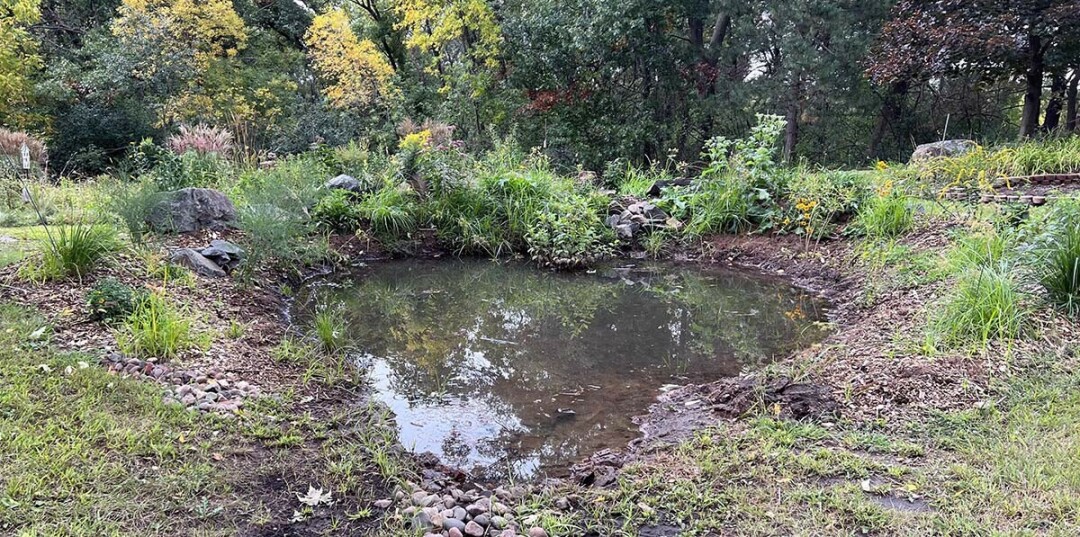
<point x="191" y="169"/>
<point x="201" y="139"/>
<point x="155" y="329"/>
<point x="568" y="234"/>
<point x="1060" y="271"/>
<point x="132" y="204"/>
<point x="985" y="304"/>
<point x="391" y="211"/>
<point x="823" y="199"/>
<point x="336" y="212"/>
<point x="73" y="250"/>
<point x="721" y="205"/>
<point x="886" y="216"/>
<point x="111" y="300"/>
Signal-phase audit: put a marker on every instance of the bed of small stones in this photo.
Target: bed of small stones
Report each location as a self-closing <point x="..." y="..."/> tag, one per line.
<point x="212" y="390"/>
<point x="455" y="512"/>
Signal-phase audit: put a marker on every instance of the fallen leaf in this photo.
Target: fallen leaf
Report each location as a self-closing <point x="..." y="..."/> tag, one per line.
<point x="314" y="497"/>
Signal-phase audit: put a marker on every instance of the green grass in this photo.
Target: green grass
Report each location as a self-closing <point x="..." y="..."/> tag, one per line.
<point x="985" y="304"/>
<point x="1060" y="270"/>
<point x="72" y="251"/>
<point x="329" y="330"/>
<point x="886" y="217"/>
<point x="156" y="329"/>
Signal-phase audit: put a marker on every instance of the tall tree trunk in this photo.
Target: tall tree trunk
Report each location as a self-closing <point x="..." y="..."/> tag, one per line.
<point x="1053" y="107"/>
<point x="890" y="112"/>
<point x="1033" y="78"/>
<point x="1070" y="102"/>
<point x="791" y="130"/>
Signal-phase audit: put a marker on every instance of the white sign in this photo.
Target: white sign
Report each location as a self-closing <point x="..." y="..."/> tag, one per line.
<point x="25" y="156"/>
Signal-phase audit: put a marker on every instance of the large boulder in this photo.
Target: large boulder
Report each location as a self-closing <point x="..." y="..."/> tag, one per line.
<point x="186" y="257"/>
<point x="947" y="148"/>
<point x="348" y="183"/>
<point x="192" y="209"/>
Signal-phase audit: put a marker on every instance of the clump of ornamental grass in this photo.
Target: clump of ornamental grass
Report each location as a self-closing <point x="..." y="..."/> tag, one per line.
<point x="72" y="250"/>
<point x="391" y="211"/>
<point x="886" y="216"/>
<point x="155" y="329"/>
<point x="983" y="248"/>
<point x="201" y="139"/>
<point x="1060" y="270"/>
<point x="11" y="143"/>
<point x="985" y="304"/>
<point x="328" y="327"/>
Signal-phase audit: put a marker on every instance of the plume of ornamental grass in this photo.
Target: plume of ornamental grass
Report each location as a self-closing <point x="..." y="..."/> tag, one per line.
<point x="11" y="143"/>
<point x="202" y="139"/>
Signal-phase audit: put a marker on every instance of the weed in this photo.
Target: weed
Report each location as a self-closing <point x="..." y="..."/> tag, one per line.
<point x="337" y="212"/>
<point x="391" y="212"/>
<point x="111" y="300"/>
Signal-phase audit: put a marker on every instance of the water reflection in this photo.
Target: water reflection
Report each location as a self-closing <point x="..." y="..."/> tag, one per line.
<point x="524" y="371"/>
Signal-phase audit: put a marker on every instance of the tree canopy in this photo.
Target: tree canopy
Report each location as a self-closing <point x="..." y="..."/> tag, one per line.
<point x="590" y="82"/>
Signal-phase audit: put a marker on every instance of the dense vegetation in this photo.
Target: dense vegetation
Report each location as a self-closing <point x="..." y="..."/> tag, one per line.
<point x="589" y="81"/>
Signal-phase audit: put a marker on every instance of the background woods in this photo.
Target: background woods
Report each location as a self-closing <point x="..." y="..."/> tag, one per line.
<point x="587" y="81"/>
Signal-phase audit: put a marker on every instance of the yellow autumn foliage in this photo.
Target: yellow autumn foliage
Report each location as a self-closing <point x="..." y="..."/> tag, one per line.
<point x="17" y="50"/>
<point x="432" y="25"/>
<point x="191" y="31"/>
<point x="353" y="70"/>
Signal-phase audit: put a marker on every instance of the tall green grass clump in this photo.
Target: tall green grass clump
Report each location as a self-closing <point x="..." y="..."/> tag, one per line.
<point x="391" y="211"/>
<point x="984" y="248"/>
<point x="985" y="304"/>
<point x="156" y="329"/>
<point x="73" y="250"/>
<point x="328" y="328"/>
<point x="1060" y="270"/>
<point x="886" y="216"/>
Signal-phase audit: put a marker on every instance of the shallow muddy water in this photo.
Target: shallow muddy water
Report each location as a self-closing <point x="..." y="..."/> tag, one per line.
<point x="525" y="372"/>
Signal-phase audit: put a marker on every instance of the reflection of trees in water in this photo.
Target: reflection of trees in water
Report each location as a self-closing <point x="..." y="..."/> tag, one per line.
<point x="524" y="342"/>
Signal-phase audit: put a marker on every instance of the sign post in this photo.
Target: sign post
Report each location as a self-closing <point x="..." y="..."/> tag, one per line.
<point x="24" y="158"/>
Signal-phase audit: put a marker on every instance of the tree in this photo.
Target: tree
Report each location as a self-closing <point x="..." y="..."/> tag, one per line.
<point x="18" y="59"/>
<point x="996" y="39"/>
<point x="356" y="74"/>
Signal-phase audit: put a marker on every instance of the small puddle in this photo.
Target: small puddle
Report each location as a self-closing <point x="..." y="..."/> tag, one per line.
<point x="524" y="372"/>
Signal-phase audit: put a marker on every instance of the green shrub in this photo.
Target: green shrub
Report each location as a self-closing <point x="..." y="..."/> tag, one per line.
<point x="985" y="304"/>
<point x="1060" y="270"/>
<point x="155" y="329"/>
<point x="818" y="201"/>
<point x="111" y="300"/>
<point x="191" y="169"/>
<point x="469" y="220"/>
<point x="886" y="216"/>
<point x="73" y="250"/>
<point x="391" y="211"/>
<point x="568" y="234"/>
<point x="132" y="203"/>
<point x="336" y="212"/>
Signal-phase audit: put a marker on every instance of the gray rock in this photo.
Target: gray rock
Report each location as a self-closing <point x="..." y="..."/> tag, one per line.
<point x="474" y="530"/>
<point x="460" y="513"/>
<point x="478" y="508"/>
<point x="228" y="247"/>
<point x="947" y="148"/>
<point x="345" y="182"/>
<point x="483" y="520"/>
<point x="384" y="504"/>
<point x="418" y="497"/>
<point x="454" y="524"/>
<point x="537" y="532"/>
<point x="499" y="509"/>
<point x="192" y="209"/>
<point x="186" y="257"/>
<point x="455" y="532"/>
<point x="508" y="533"/>
<point x="499" y="522"/>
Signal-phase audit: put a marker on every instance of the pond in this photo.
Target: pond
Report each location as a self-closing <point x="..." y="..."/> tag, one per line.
<point x="517" y="372"/>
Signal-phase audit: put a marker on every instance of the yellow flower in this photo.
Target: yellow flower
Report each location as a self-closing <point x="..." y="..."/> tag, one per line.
<point x="881" y="166"/>
<point x="415" y="141"/>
